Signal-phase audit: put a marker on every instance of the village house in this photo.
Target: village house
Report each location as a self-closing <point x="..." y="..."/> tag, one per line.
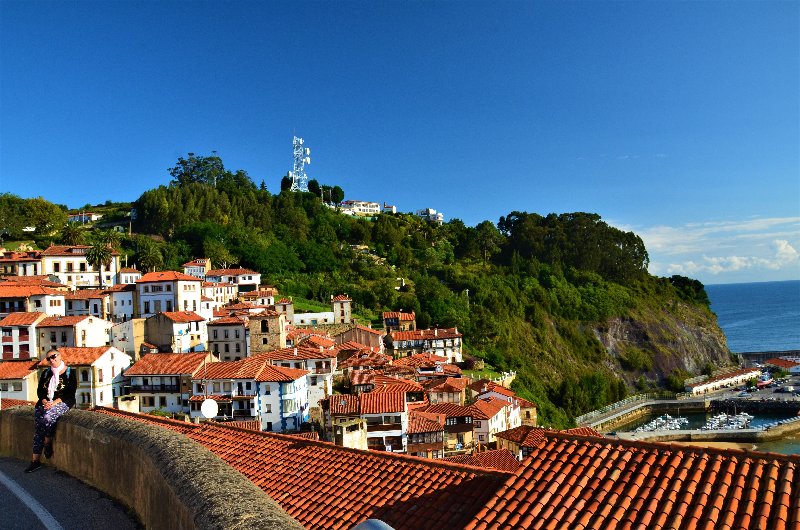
<point x="69" y="264"/>
<point x="197" y="267"/>
<point x="264" y="296"/>
<point x="177" y="331"/>
<point x="229" y="338"/>
<point x="221" y="293"/>
<point x="446" y="390"/>
<point x="371" y="338"/>
<point x="100" y="374"/>
<point x="14" y="298"/>
<point x="484" y="388"/>
<point x="121" y="301"/>
<point x="19" y="337"/>
<point x="267" y="331"/>
<point x="245" y="279"/>
<point x="320" y="363"/>
<point x="426" y="434"/>
<point x="442" y="342"/>
<point x="19" y="263"/>
<point x="164" y="380"/>
<point x="92" y="302"/>
<point x="399" y="321"/>
<point x="722" y="380"/>
<point x="252" y="389"/>
<point x="426" y="366"/>
<point x="459" y="435"/>
<point x="78" y="331"/>
<point x="490" y="416"/>
<point x="361" y="208"/>
<point x="386" y="415"/>
<point x="128" y="336"/>
<point x="341" y="314"/>
<point x="167" y="291"/>
<point x="84" y="217"/>
<point x="129" y="275"/>
<point x="19" y="380"/>
<point x="791" y="365"/>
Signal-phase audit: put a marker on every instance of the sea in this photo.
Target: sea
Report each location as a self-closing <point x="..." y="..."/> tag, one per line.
<point x="762" y="316"/>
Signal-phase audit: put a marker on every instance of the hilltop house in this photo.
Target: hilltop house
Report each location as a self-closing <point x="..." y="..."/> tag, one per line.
<point x="245" y="279"/>
<point x="69" y="264"/>
<point x="443" y="342"/>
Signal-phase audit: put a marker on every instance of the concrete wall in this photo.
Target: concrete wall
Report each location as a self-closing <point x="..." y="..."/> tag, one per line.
<point x="167" y="479"/>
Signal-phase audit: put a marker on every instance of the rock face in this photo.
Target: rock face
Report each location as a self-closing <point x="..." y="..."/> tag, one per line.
<point x="656" y="342"/>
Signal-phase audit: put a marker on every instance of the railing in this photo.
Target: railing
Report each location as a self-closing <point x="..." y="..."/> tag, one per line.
<point x="384" y="427"/>
<point x="320" y="370"/>
<point x="638" y="398"/>
<point x="240" y="413"/>
<point x="154" y="388"/>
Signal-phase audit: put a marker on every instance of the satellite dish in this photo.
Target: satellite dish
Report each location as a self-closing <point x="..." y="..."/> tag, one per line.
<point x="209" y="409"/>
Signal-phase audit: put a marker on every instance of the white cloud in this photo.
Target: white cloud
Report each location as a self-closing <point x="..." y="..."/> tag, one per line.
<point x="754" y="249"/>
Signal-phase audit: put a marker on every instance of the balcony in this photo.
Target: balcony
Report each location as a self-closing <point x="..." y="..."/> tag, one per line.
<point x="320" y="370"/>
<point x="244" y="413"/>
<point x="154" y="388"/>
<point x="380" y="427"/>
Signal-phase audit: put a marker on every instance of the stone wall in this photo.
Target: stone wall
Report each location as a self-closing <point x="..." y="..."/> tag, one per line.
<point x="168" y="480"/>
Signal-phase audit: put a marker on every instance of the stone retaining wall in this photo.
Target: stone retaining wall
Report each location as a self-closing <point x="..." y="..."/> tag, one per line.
<point x="167" y="479"/>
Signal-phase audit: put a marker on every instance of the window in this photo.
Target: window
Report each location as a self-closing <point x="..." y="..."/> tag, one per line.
<point x="63" y="336"/>
<point x="147" y="307"/>
<point x="264" y="340"/>
<point x="226" y="387"/>
<point x="227" y="347"/>
<point x="238" y="347"/>
<point x="101" y="396"/>
<point x="169" y="305"/>
<point x="69" y="305"/>
<point x="82" y="267"/>
<point x="215" y="333"/>
<point x="477" y="425"/>
<point x="236" y="333"/>
<point x="56" y="267"/>
<point x="147" y="288"/>
<point x="248" y="385"/>
<point x="481" y="437"/>
<point x="100" y="375"/>
<point x="169" y="287"/>
<point x="52" y="336"/>
<point x="226" y="333"/>
<point x="162" y="401"/>
<point x="264" y="327"/>
<point x="314" y="380"/>
<point x="268" y="409"/>
<point x="215" y="388"/>
<point x="267" y="390"/>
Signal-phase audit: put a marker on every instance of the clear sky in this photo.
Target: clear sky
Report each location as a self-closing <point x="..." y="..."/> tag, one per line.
<point x="677" y="120"/>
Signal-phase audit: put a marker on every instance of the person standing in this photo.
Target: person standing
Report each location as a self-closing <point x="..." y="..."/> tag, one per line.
<point x="56" y="392"/>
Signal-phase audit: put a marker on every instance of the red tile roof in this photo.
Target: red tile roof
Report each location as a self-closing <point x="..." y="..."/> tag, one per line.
<point x="451" y="410"/>
<point x="228" y="321"/>
<point x="182" y="317"/>
<point x="528" y="436"/>
<point x="500" y="459"/>
<point x="445" y="384"/>
<point x="391" y="384"/>
<point x="129" y="270"/>
<point x="16" y="369"/>
<point x="366" y="358"/>
<point x="257" y="368"/>
<point x="306" y="435"/>
<point x="167" y="276"/>
<point x="369" y="330"/>
<point x="399" y="315"/>
<point x="167" y="364"/>
<point x="426" y="334"/>
<point x="67" y="250"/>
<point x="230" y="272"/>
<point x="321" y="341"/>
<point x="484" y="409"/>
<point x="84" y="294"/>
<point x="199" y="262"/>
<point x="24" y="291"/>
<point x="421" y="422"/>
<point x="283" y="301"/>
<point x="371" y="403"/>
<point x="7" y="403"/>
<point x="421" y="359"/>
<point x="22" y="318"/>
<point x="300" y="352"/>
<point x="782" y="363"/>
<point x="41" y="280"/>
<point x="324" y="486"/>
<point x="80" y="356"/>
<point x="341" y="298"/>
<point x="727" y="375"/>
<point x="57" y="322"/>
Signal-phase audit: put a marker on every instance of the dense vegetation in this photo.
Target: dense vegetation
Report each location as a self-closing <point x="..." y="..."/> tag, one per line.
<point x="529" y="293"/>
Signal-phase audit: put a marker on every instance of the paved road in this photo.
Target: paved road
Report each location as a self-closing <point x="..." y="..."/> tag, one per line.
<point x="54" y="500"/>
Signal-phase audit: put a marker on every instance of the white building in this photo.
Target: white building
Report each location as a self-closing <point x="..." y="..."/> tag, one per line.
<point x="386" y="414"/>
<point x="431" y="215"/>
<point x="128" y="276"/>
<point x="197" y="267"/>
<point x="341" y="313"/>
<point x="177" y="331"/>
<point x="167" y="291"/>
<point x="252" y="389"/>
<point x="244" y="279"/>
<point x="164" y="380"/>
<point x="362" y="208"/>
<point x="220" y="293"/>
<point x="14" y="298"/>
<point x="489" y="417"/>
<point x="320" y="363"/>
<point x="121" y="302"/>
<point x="77" y="331"/>
<point x="18" y="380"/>
<point x="100" y="378"/>
<point x="69" y="264"/>
<point x="19" y="335"/>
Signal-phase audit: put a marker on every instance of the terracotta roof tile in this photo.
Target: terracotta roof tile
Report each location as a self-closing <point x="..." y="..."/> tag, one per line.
<point x="7" y="403"/>
<point x="399" y="315"/>
<point x="22" y="318"/>
<point x="182" y="317"/>
<point x="500" y="459"/>
<point x="422" y="422"/>
<point x="341" y="298"/>
<point x="228" y="321"/>
<point x="426" y="334"/>
<point x="230" y="272"/>
<point x="167" y="364"/>
<point x="782" y="363"/>
<point x="421" y="359"/>
<point x="57" y="322"/>
<point x="17" y="369"/>
<point x="80" y="356"/>
<point x="329" y="487"/>
<point x="301" y="352"/>
<point x="451" y="410"/>
<point x="167" y="276"/>
<point x="24" y="291"/>
<point x="484" y="409"/>
<point x="67" y="250"/>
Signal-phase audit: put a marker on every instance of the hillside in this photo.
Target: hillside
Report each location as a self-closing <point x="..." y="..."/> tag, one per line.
<point x="563" y="299"/>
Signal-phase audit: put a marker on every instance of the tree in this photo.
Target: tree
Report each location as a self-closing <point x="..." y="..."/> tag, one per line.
<point x="99" y="255"/>
<point x="72" y="234"/>
<point x="148" y="254"/>
<point x="286" y="183"/>
<point x="110" y="237"/>
<point x="313" y="187"/>
<point x="488" y="238"/>
<point x="337" y="195"/>
<point x="202" y="169"/>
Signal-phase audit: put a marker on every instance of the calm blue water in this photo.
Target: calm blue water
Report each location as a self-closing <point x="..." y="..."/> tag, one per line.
<point x="758" y="316"/>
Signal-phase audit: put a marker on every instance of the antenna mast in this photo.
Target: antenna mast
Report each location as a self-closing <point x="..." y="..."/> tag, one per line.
<point x="298" y="174"/>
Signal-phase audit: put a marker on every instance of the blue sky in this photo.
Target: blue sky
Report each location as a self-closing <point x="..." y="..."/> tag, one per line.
<point x="677" y="120"/>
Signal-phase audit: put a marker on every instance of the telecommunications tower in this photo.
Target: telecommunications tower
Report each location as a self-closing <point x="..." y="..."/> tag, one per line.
<point x="301" y="158"/>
